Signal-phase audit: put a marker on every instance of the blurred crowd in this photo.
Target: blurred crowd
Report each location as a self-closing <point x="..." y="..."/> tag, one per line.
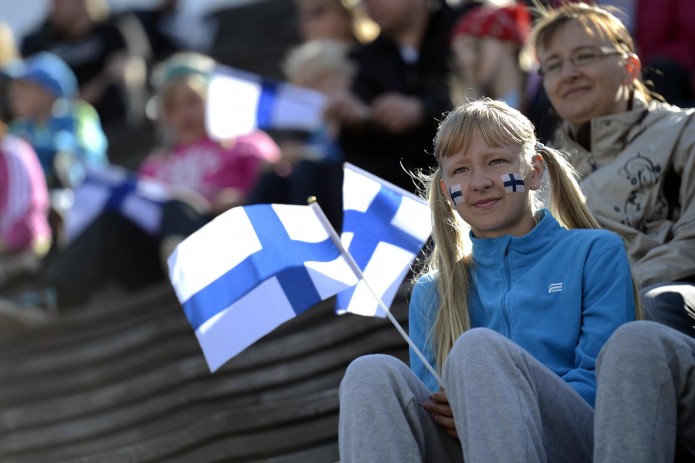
<point x="71" y="218"/>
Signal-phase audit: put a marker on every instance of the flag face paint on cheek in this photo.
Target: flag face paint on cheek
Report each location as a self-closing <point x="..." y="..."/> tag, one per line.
<point x="456" y="194"/>
<point x="513" y="182"/>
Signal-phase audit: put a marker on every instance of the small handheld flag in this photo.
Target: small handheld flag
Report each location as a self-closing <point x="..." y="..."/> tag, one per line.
<point x="384" y="227"/>
<point x="114" y="188"/>
<point x="240" y="102"/>
<point x="253" y="268"/>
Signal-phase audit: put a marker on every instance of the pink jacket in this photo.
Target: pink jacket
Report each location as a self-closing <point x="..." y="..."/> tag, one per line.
<point x="208" y="167"/>
<point x="23" y="196"/>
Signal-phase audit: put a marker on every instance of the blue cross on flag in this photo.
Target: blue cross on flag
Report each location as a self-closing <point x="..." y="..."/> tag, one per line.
<point x="513" y="182"/>
<point x="253" y="268"/>
<point x="384" y="228"/>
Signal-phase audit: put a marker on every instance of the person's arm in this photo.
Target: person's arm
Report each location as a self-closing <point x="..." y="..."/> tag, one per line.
<point x="607" y="302"/>
<point x="91" y="139"/>
<point x="397" y="113"/>
<point x="125" y="64"/>
<point x="675" y="259"/>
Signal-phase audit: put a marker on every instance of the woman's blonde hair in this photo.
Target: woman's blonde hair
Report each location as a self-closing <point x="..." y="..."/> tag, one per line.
<point x="591" y="17"/>
<point x="451" y="256"/>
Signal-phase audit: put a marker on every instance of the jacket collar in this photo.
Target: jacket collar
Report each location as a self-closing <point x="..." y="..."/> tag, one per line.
<point x="492" y="251"/>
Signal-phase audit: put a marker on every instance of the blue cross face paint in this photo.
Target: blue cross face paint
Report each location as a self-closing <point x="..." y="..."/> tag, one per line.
<point x="456" y="194"/>
<point x="513" y="182"/>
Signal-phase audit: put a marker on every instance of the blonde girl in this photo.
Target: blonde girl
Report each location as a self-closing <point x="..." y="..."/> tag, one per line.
<point x="512" y="309"/>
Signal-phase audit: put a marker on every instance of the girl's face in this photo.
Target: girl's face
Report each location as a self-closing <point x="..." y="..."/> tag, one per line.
<point x="598" y="88"/>
<point x="328" y="82"/>
<point x="485" y="203"/>
<point x="184" y="112"/>
<point x="29" y="100"/>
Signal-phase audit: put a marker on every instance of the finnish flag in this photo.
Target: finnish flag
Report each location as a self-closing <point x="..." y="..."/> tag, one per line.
<point x="240" y="102"/>
<point x="116" y="189"/>
<point x="384" y="228"/>
<point x="253" y="268"/>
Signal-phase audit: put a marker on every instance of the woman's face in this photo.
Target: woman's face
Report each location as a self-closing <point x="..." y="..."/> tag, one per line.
<point x="485" y="203"/>
<point x="580" y="93"/>
<point x="184" y="112"/>
<point x="324" y="20"/>
<point x="478" y="58"/>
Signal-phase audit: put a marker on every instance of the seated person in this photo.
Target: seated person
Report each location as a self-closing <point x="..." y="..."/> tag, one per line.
<point x="64" y="131"/>
<point x="312" y="164"/>
<point x="108" y="55"/>
<point x="24" y="232"/>
<point x="216" y="175"/>
<point x="635" y="154"/>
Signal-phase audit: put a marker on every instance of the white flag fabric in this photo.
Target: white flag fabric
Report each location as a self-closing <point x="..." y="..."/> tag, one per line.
<point x="384" y="228"/>
<point x="117" y="189"/>
<point x="240" y="102"/>
<point x="251" y="269"/>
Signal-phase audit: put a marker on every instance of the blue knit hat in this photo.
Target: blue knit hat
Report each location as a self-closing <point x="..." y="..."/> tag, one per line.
<point x="48" y="71"/>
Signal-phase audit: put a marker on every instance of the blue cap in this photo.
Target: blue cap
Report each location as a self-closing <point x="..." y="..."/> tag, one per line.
<point x="47" y="70"/>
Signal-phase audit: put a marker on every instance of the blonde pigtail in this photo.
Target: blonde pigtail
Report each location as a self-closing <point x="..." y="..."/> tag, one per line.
<point x="568" y="203"/>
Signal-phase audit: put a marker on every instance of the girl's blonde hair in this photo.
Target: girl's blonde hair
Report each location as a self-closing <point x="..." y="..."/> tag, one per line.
<point x="327" y="55"/>
<point x="592" y="18"/>
<point x="451" y="256"/>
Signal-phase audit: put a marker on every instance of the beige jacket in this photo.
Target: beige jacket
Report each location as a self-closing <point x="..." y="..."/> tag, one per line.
<point x="624" y="177"/>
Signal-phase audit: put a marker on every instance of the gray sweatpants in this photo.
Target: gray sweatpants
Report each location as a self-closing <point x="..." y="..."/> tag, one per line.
<point x="645" y="401"/>
<point x="507" y="407"/>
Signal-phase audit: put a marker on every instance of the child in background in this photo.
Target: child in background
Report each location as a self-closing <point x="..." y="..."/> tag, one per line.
<point x="206" y="177"/>
<point x="222" y="172"/>
<point x="24" y="232"/>
<point x="64" y="131"/>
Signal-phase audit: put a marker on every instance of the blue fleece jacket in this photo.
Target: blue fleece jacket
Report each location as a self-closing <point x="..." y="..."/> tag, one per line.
<point x="557" y="293"/>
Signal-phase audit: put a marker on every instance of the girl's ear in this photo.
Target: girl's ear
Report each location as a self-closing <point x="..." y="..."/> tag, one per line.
<point x="537" y="170"/>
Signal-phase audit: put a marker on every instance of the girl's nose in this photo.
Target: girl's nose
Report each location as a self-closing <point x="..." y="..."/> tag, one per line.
<point x="480" y="180"/>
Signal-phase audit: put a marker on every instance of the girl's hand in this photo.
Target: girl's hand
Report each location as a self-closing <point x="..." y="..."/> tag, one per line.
<point x="441" y="413"/>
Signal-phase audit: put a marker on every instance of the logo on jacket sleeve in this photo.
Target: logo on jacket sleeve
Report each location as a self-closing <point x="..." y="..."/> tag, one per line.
<point x="555" y="287"/>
